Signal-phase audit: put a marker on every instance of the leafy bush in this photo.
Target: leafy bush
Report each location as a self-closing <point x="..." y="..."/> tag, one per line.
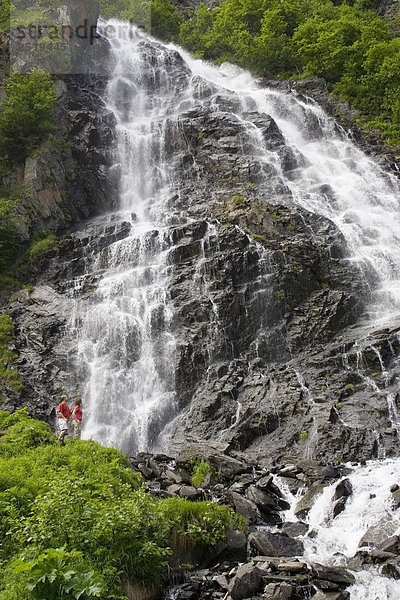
<point x="26" y="115"/>
<point x="9" y="376"/>
<point x="201" y="522"/>
<point x="60" y="574"/>
<point x="81" y="505"/>
<point x="200" y="470"/>
<point x="42" y="245"/>
<point x="10" y="243"/>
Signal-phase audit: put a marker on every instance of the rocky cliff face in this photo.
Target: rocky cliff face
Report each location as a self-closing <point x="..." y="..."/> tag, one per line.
<point x="67" y="179"/>
<point x="272" y="356"/>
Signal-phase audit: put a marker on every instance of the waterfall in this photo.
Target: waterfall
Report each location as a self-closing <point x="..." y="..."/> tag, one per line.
<point x="126" y="342"/>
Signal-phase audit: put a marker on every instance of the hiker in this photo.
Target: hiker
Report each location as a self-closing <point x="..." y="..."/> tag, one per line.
<point x="63" y="418"/>
<point x="77" y="418"/>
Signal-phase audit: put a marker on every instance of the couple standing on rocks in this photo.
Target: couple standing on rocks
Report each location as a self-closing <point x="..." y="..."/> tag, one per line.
<point x="64" y="413"/>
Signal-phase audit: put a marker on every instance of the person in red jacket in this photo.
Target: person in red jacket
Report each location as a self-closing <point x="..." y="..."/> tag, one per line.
<point x="77" y="418"/>
<point x="63" y="418"/>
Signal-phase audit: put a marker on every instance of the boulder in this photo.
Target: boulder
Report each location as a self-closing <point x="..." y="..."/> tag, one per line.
<point x="303" y="507"/>
<point x="379" y="533"/>
<point x="336" y="575"/>
<point x="294" y="529"/>
<point x="235" y="549"/>
<point x="244" y="507"/>
<point x="391" y="568"/>
<point x="391" y="545"/>
<point x="246" y="583"/>
<point x="190" y="492"/>
<point x="264" y="501"/>
<point x="344" y="489"/>
<point x="274" y="544"/>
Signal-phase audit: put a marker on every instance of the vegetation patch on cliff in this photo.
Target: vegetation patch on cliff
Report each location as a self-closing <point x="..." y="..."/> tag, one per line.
<point x="78" y="518"/>
<point x="26" y="116"/>
<point x="9" y="376"/>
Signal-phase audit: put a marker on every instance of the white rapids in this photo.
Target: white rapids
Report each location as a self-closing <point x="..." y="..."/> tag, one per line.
<point x="370" y="507"/>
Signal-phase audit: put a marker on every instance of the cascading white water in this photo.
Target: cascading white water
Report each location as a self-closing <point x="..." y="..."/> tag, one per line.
<point x="124" y="339"/>
<point x="335" y="179"/>
<point x="335" y="539"/>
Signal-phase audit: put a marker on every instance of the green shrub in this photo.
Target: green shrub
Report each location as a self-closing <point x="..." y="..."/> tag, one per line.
<point x="200" y="470"/>
<point x="26" y="116"/>
<point x="42" y="245"/>
<point x="344" y="42"/>
<point x="303" y="435"/>
<point x="76" y="517"/>
<point x="199" y="522"/>
<point x="165" y="20"/>
<point x="59" y="574"/>
<point x="9" y="376"/>
<point x="158" y="17"/>
<point x="10" y="244"/>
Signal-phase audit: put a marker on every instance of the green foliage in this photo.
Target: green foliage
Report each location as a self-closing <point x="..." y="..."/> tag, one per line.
<point x="4" y="15"/>
<point x="26" y="116"/>
<point x="165" y="20"/>
<point x="42" y="245"/>
<point x="303" y="435"/>
<point x="9" y="376"/>
<point x="10" y="244"/>
<point x="59" y="574"/>
<point x="74" y="520"/>
<point x="201" y="522"/>
<point x="158" y="17"/>
<point x="200" y="471"/>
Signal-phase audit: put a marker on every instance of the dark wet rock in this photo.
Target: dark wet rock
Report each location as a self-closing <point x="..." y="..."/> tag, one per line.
<point x="391" y="545"/>
<point x="265" y="502"/>
<point x="391" y="568"/>
<point x="339" y="506"/>
<point x="274" y="544"/>
<point x="295" y="529"/>
<point x="333" y="575"/>
<point x="235" y="547"/>
<point x="246" y="583"/>
<point x="396" y="498"/>
<point x="243" y="506"/>
<point x="278" y="591"/>
<point x="342" y="493"/>
<point x="343" y="489"/>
